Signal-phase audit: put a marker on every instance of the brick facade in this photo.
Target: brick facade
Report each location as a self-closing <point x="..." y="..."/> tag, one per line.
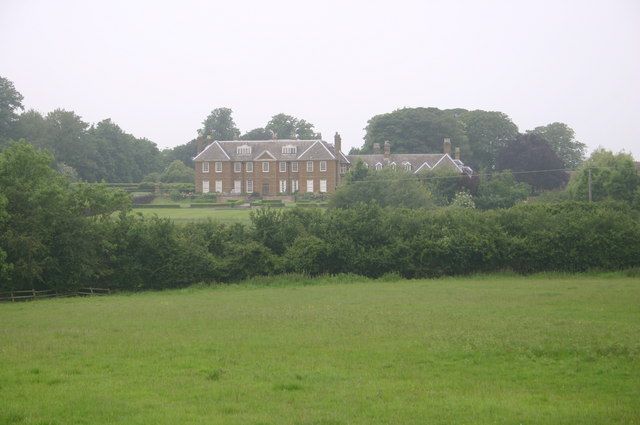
<point x="324" y="171"/>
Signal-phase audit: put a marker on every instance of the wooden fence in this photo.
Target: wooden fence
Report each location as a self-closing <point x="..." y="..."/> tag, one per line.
<point x="32" y="294"/>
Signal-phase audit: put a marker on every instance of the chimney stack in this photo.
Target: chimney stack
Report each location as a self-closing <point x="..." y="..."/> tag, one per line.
<point x="202" y="142"/>
<point x="458" y="153"/>
<point x="446" y="146"/>
<point x="199" y="145"/>
<point x="337" y="142"/>
<point x="376" y="148"/>
<point x="387" y="149"/>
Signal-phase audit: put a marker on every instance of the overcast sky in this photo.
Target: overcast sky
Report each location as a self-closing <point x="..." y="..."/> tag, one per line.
<point x="158" y="68"/>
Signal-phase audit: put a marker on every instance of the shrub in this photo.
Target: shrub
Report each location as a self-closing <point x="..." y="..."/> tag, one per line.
<point x="500" y="190"/>
<point x="143" y="199"/>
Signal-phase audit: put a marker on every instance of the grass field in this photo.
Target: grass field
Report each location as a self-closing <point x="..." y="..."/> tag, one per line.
<point x="487" y="350"/>
<point x="185" y="214"/>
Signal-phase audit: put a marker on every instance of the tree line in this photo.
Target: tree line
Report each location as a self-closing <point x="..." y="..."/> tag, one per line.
<point x="489" y="140"/>
<point x="220" y="125"/>
<point x="57" y="234"/>
<point x="481" y="135"/>
<point x="105" y="152"/>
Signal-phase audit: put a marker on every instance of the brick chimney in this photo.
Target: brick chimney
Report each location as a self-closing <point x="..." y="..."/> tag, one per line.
<point x="457" y="153"/>
<point x="387" y="149"/>
<point x="446" y="146"/>
<point x="337" y="142"/>
<point x="202" y="142"/>
<point x="376" y="148"/>
<point x="199" y="145"/>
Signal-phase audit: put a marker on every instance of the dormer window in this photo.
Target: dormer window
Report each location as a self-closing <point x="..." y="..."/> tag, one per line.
<point x="407" y="166"/>
<point x="290" y="149"/>
<point x="243" y="150"/>
<point x="378" y="166"/>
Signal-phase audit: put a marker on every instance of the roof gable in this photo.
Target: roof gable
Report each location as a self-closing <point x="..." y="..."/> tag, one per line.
<point x="317" y="151"/>
<point x="448" y="162"/>
<point x="265" y="156"/>
<point x="213" y="152"/>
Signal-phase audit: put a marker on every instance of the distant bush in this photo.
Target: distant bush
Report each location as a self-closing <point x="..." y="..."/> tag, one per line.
<point x="204" y="197"/>
<point x="267" y="203"/>
<point x="211" y="205"/>
<point x="143" y="199"/>
<point x="157" y="206"/>
<point x="147" y="186"/>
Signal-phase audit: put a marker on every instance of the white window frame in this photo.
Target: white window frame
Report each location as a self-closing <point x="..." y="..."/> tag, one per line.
<point x="323" y="165"/>
<point x="310" y="186"/>
<point x="218" y="186"/>
<point x="309" y="166"/>
<point x="243" y="150"/>
<point x="265" y="167"/>
<point x="205" y="186"/>
<point x="249" y="186"/>
<point x="294" y="186"/>
<point x="343" y="168"/>
<point x="407" y="166"/>
<point x="294" y="167"/>
<point x="323" y="185"/>
<point x="218" y="166"/>
<point x="283" y="167"/>
<point x="283" y="186"/>
<point x="289" y="149"/>
<point x="237" y="167"/>
<point x="249" y="167"/>
<point x="205" y="167"/>
<point x="237" y="186"/>
<point x="378" y="166"/>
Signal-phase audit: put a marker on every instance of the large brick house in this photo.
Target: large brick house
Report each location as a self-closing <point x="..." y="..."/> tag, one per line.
<point x="270" y="167"/>
<point x="285" y="167"/>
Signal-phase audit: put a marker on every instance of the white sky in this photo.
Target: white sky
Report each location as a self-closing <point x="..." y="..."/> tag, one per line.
<point x="158" y="68"/>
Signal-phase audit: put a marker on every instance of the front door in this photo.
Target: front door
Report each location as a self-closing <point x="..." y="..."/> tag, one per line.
<point x="265" y="188"/>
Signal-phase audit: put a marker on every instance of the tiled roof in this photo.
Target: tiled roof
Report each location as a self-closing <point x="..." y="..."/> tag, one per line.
<point x="269" y="150"/>
<point x="419" y="162"/>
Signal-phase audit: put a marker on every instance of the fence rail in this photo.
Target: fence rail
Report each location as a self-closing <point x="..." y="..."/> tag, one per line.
<point x="32" y="294"/>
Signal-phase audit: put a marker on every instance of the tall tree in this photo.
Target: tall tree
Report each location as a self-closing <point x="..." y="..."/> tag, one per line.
<point x="534" y="162"/>
<point x="32" y="127"/>
<point x="416" y="130"/>
<point x="47" y="238"/>
<point x="10" y="102"/>
<point x="562" y="140"/>
<point x="257" y="134"/>
<point x="613" y="176"/>
<point x="219" y="125"/>
<point x="177" y="172"/>
<point x="123" y="157"/>
<point x="184" y="153"/>
<point x="287" y="127"/>
<point x="488" y="133"/>
<point x="66" y="138"/>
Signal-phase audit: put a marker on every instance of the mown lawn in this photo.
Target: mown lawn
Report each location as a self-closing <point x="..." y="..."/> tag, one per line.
<point x="186" y="214"/>
<point x="487" y="350"/>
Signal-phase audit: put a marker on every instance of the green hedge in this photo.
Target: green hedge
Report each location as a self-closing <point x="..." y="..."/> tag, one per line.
<point x="211" y="205"/>
<point x="267" y="203"/>
<point x="157" y="206"/>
